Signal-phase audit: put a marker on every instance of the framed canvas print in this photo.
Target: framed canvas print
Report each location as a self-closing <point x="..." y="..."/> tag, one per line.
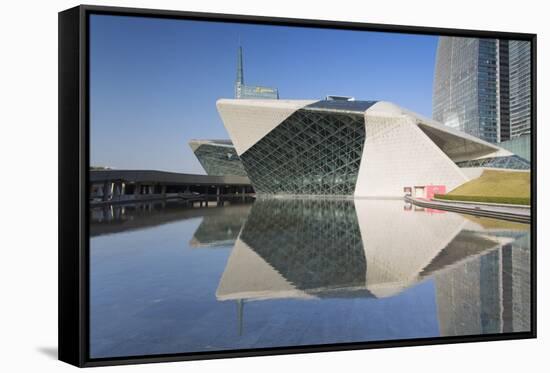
<point x="235" y="186"/>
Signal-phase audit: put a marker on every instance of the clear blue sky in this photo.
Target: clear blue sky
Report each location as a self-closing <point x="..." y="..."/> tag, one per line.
<point x="154" y="82"/>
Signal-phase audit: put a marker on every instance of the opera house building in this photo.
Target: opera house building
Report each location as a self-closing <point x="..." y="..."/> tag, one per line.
<point x="354" y="148"/>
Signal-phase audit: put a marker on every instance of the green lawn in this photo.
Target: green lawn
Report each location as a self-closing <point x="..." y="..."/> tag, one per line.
<point x="495" y="186"/>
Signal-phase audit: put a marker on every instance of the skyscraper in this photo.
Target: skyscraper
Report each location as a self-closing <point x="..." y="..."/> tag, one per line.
<point x="482" y="87"/>
<point x="248" y="91"/>
<point x="239" y="82"/>
<point x="520" y="87"/>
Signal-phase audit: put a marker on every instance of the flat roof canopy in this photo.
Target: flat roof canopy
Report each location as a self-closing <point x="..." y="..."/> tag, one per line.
<point x="164" y="177"/>
<point x="457" y="148"/>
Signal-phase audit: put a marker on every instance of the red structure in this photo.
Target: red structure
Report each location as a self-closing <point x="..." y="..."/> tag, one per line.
<point x="434" y="189"/>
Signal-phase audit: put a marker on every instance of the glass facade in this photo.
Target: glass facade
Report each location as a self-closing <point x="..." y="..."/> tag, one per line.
<point x="488" y="96"/>
<point x="520" y="87"/>
<point x="219" y="159"/>
<point x="512" y="162"/>
<point x="504" y="88"/>
<point x="520" y="146"/>
<point x="455" y="98"/>
<point x="313" y="152"/>
<point x="342" y="105"/>
<point x="482" y="87"/>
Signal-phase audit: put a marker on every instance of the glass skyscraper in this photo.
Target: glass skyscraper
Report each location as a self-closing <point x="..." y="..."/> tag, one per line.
<point x="520" y="88"/>
<point x="482" y="87"/>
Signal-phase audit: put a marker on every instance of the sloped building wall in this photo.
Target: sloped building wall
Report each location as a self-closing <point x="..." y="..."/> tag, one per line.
<point x="247" y="121"/>
<point x="397" y="154"/>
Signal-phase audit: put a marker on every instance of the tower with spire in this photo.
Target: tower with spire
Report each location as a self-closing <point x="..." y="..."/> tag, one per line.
<point x="239" y="82"/>
<point x="251" y="92"/>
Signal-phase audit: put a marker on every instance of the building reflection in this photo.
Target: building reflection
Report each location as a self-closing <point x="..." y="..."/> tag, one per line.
<point x="489" y="294"/>
<point x="222" y="228"/>
<point x="327" y="248"/>
<point x="222" y="219"/>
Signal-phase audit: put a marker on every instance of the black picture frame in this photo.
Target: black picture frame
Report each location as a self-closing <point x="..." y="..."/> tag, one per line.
<point x="73" y="250"/>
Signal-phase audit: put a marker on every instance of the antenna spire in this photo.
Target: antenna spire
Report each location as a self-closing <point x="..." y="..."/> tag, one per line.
<point x="239" y="82"/>
<point x="240" y="72"/>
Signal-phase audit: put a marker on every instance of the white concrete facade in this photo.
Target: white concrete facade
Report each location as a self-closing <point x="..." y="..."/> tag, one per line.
<point x="397" y="154"/>
<point x="247" y="121"/>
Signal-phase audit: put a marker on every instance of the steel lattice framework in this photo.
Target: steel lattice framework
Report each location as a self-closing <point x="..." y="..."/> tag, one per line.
<point x="311" y="152"/>
<point x="510" y="162"/>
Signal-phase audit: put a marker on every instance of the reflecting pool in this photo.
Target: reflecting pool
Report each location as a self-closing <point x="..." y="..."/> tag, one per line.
<point x="171" y="277"/>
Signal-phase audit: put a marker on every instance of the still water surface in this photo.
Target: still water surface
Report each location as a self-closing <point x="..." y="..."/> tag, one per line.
<point x="166" y="277"/>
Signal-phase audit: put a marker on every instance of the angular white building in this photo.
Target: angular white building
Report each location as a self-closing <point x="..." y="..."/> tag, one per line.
<point x="353" y="148"/>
